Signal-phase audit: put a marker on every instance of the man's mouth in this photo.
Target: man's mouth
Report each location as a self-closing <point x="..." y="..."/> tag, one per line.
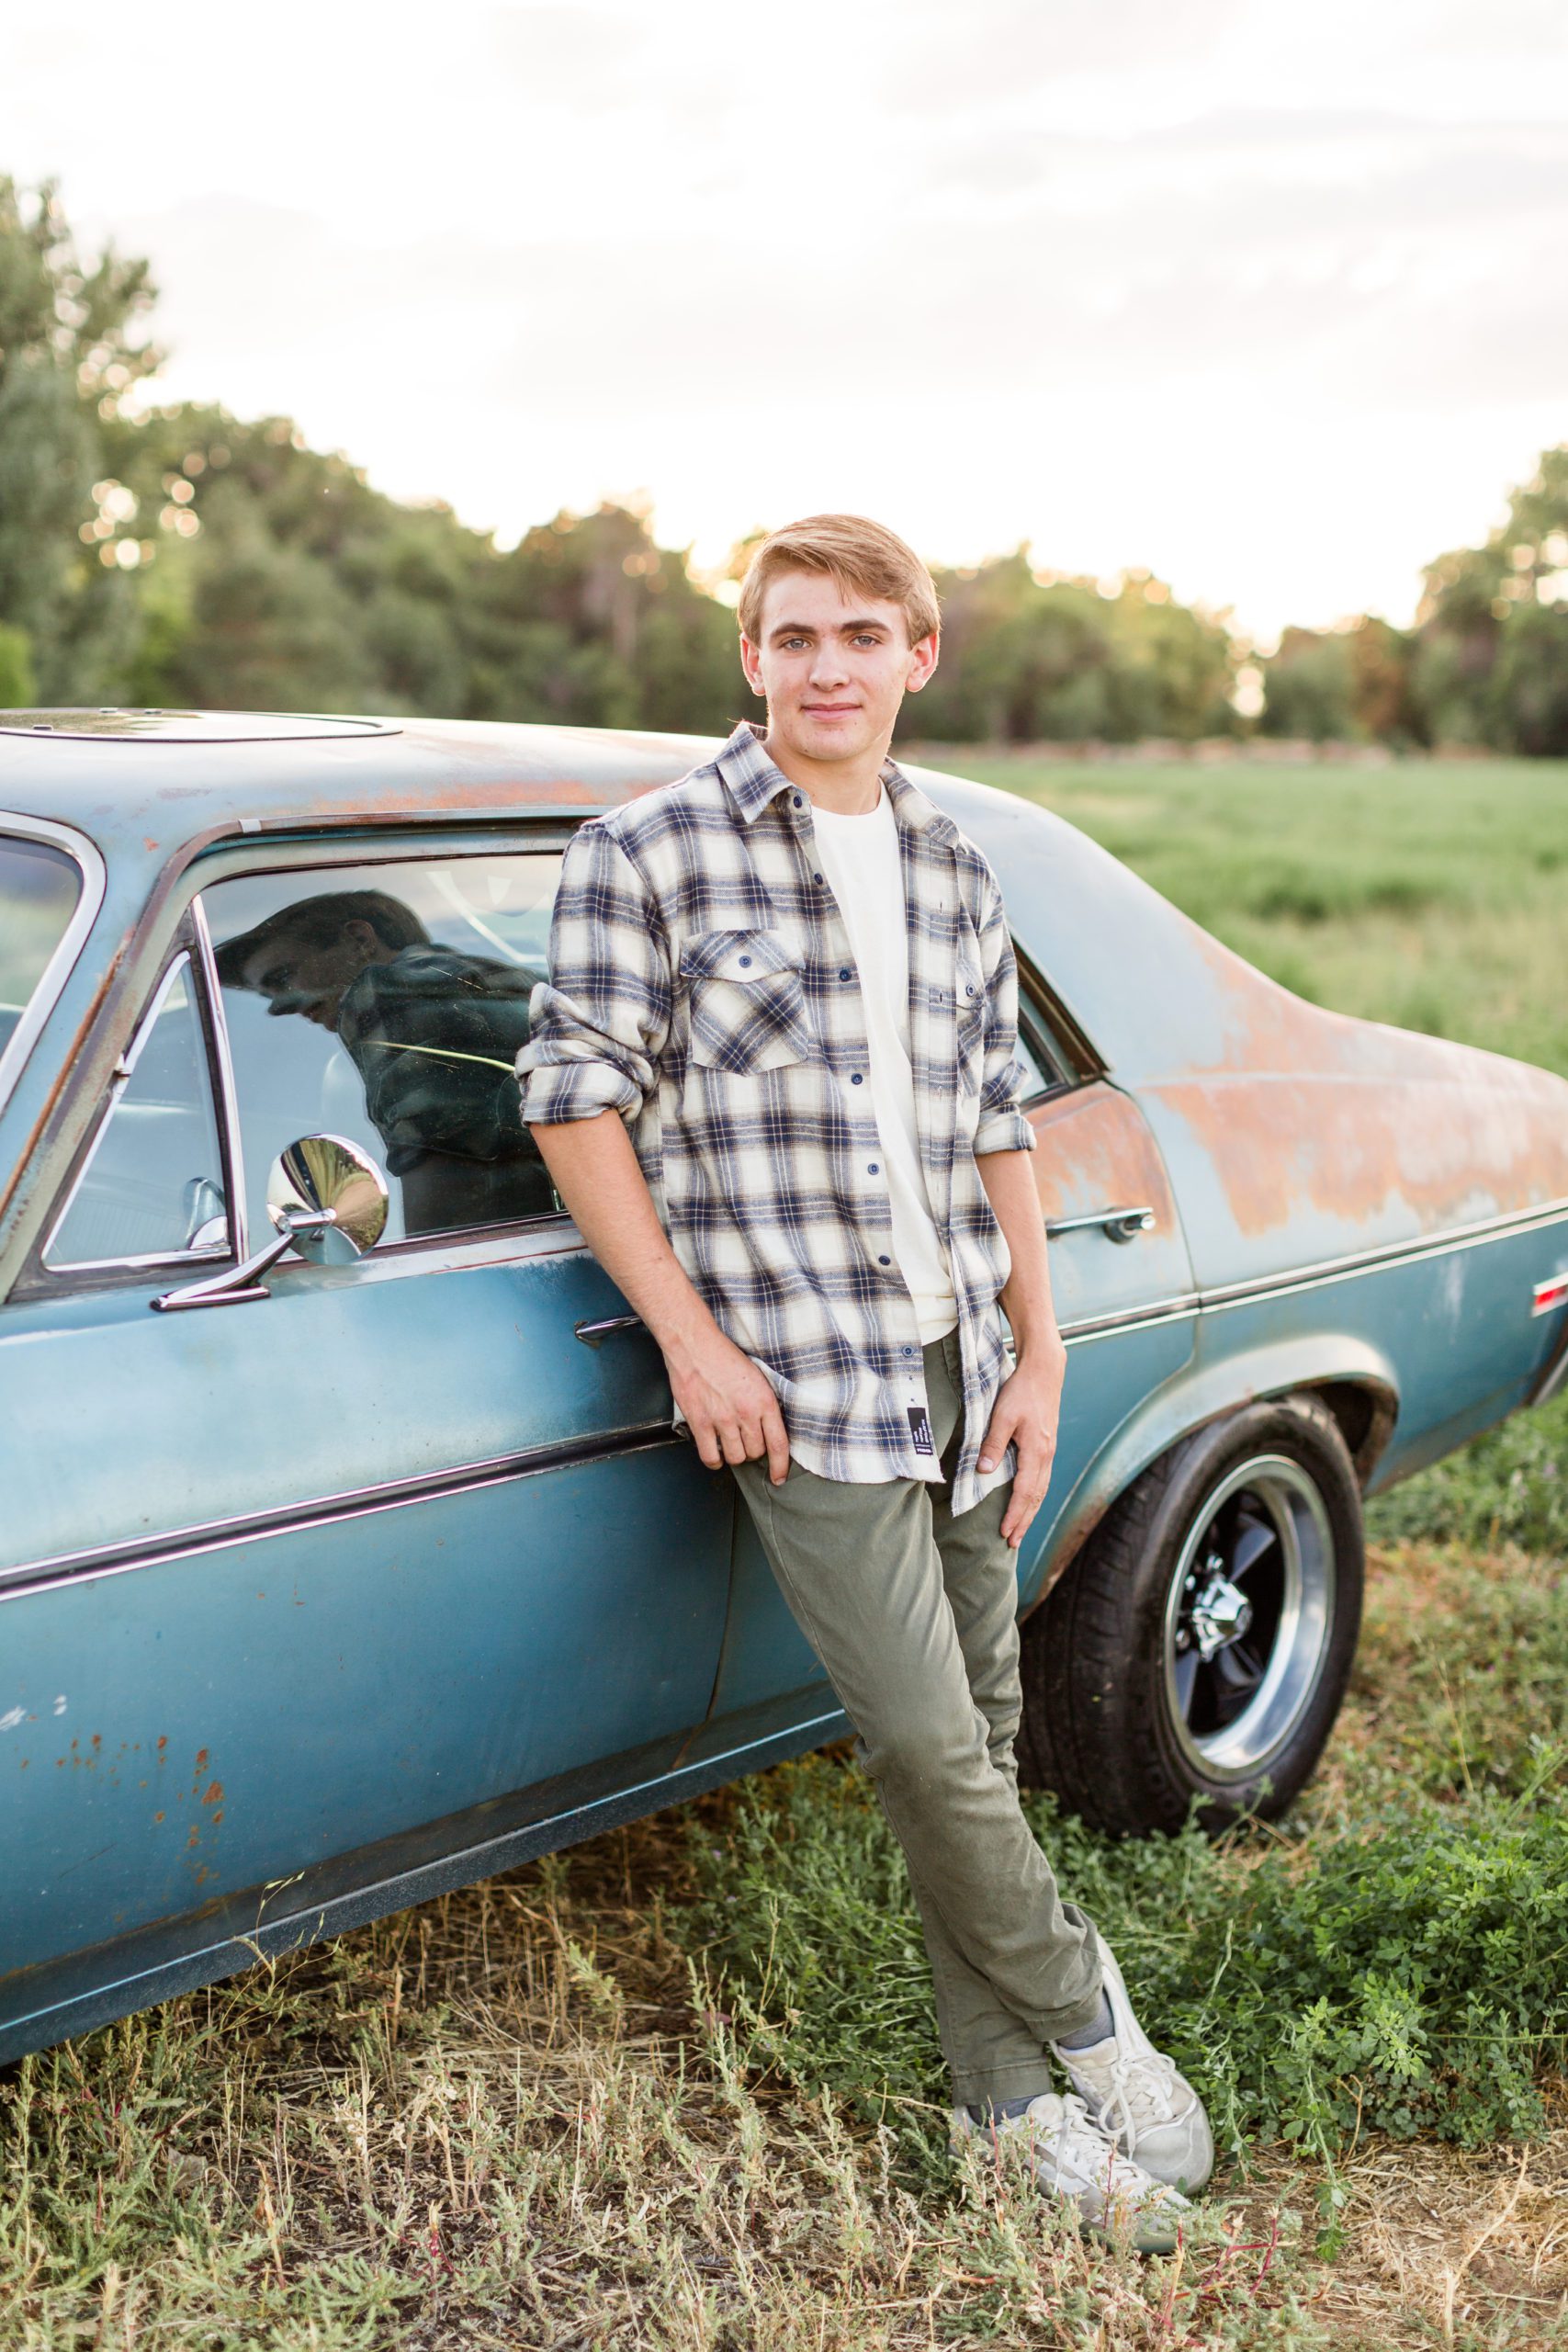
<point x="830" y="709"/>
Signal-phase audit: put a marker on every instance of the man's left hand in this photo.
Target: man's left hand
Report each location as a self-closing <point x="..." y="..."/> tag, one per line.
<point x="1027" y="1411"/>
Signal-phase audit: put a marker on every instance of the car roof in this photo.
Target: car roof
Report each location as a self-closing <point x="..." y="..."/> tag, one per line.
<point x="200" y="773"/>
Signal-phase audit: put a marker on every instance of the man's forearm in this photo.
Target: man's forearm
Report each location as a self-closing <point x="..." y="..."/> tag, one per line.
<point x="1008" y="1180"/>
<point x="594" y="1169"/>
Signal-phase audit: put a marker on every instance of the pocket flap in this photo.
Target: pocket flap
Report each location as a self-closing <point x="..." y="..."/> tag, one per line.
<point x="742" y="955"/>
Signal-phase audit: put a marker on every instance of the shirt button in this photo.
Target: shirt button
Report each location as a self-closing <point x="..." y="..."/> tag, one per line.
<point x="885" y="1262"/>
<point x="744" y="959"/>
<point x="843" y="971"/>
<point x="872" y="1170"/>
<point x="798" y="801"/>
<point x="908" y="1351"/>
<point x="816" y="878"/>
<point x="968" y="990"/>
<point x="856" y="1077"/>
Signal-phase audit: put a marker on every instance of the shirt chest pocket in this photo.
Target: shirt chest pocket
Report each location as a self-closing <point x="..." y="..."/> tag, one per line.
<point x="746" y="996"/>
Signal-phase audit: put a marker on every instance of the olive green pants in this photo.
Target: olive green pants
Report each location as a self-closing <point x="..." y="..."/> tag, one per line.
<point x="913" y="1614"/>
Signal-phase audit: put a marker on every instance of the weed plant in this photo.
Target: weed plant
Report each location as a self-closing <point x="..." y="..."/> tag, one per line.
<point x="677" y="2091"/>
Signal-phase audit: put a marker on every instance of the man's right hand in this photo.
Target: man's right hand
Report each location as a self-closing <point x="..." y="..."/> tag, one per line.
<point x="730" y="1405"/>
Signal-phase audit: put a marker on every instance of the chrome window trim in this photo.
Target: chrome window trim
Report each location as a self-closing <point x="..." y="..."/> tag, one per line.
<point x="89" y="864"/>
<point x="228" y="1106"/>
<point x="238" y="867"/>
<point x="182" y="958"/>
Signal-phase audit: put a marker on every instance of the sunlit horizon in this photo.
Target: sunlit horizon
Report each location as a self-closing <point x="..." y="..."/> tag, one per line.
<point x="1142" y="287"/>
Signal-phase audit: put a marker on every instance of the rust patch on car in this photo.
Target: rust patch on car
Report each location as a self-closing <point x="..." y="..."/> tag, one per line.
<point x="1308" y="1113"/>
<point x="1094" y="1152"/>
<point x="213" y="1793"/>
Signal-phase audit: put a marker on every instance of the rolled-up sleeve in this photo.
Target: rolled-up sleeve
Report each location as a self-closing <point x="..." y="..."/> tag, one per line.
<point x="1002" y="1126"/>
<point x="598" y="1024"/>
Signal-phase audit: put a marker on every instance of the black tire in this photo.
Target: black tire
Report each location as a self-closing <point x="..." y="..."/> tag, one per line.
<point x="1165" y="1666"/>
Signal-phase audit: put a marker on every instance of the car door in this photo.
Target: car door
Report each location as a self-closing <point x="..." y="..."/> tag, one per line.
<point x="376" y="1565"/>
<point x="1122" y="1285"/>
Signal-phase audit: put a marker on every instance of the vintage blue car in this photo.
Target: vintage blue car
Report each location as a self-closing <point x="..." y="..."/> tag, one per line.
<point x="310" y="1612"/>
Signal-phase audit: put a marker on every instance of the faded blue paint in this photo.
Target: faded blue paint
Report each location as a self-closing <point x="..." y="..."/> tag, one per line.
<point x="382" y="1701"/>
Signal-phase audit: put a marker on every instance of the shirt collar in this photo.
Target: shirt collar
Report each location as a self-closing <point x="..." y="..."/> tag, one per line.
<point x="753" y="780"/>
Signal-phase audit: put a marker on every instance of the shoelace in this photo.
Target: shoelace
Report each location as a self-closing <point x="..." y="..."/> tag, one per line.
<point x="1142" y="2092"/>
<point x="1110" y="2168"/>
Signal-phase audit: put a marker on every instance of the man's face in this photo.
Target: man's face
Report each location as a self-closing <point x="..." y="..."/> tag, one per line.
<point x="297" y="975"/>
<point x="834" y="667"/>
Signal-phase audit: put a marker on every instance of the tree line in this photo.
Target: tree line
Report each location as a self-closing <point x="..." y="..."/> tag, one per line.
<point x="179" y="555"/>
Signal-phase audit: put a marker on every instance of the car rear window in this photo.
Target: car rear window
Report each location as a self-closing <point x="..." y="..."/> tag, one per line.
<point x="40" y="887"/>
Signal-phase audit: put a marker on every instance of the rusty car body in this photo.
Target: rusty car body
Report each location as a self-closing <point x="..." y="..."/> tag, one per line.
<point x="376" y="1576"/>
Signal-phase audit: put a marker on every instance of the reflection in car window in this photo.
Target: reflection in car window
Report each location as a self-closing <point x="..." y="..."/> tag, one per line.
<point x="39" y="889"/>
<point x="388" y="1004"/>
<point x="152" y="1186"/>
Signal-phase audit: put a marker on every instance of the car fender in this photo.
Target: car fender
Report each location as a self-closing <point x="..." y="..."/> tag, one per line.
<point x="1357" y="1380"/>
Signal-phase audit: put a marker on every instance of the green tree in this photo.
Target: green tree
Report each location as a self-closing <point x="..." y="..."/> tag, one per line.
<point x="68" y="353"/>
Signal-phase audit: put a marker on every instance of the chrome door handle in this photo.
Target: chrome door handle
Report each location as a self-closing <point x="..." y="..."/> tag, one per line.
<point x="591" y="1333"/>
<point x="1119" y="1224"/>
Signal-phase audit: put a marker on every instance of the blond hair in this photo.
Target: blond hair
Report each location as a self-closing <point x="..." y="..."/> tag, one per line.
<point x="861" y="557"/>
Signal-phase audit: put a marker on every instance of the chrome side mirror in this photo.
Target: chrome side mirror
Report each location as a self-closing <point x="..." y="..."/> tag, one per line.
<point x="328" y="1200"/>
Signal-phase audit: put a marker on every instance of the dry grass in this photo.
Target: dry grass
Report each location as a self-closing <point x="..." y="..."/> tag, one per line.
<point x="518" y="2117"/>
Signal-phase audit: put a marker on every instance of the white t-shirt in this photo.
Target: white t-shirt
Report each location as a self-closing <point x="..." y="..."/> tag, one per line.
<point x="860" y="858"/>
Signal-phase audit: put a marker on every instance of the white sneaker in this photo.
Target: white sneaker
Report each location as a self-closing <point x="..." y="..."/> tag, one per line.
<point x="1134" y="2091"/>
<point x="1075" y="2159"/>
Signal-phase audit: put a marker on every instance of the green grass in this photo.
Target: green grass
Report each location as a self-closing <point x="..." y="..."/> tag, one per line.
<point x="679" y="2088"/>
<point x="1430" y="894"/>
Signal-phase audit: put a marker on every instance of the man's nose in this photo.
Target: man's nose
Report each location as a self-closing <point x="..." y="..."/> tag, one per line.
<point x="829" y="666"/>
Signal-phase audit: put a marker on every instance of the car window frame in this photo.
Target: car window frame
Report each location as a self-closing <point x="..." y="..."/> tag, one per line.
<point x="41" y="1278"/>
<point x="89" y="863"/>
<point x="1053" y="1033"/>
<point x="431" y="847"/>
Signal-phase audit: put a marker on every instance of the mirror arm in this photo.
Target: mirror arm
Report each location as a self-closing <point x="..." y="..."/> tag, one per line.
<point x="237" y="1283"/>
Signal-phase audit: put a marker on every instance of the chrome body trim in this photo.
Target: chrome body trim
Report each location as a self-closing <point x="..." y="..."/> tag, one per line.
<point x="321" y="1511"/>
<point x="52" y="980"/>
<point x="1326" y="1271"/>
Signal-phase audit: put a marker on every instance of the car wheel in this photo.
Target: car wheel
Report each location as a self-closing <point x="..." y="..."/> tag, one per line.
<point x="1200" y="1644"/>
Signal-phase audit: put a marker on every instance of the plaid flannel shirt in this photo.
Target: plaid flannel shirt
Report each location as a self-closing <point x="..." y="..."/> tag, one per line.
<point x="702" y="984"/>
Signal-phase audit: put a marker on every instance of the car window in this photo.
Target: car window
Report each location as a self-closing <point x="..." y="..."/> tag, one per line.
<point x="40" y="887"/>
<point x="386" y="1003"/>
<point x="153" y="1184"/>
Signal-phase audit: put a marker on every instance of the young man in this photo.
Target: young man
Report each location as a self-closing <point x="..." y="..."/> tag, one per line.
<point x="772" y="1077"/>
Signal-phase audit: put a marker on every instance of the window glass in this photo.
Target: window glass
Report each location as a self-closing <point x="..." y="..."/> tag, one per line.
<point x="1037" y="1078"/>
<point x="387" y="1003"/>
<point x="39" y="889"/>
<point x="152" y="1186"/>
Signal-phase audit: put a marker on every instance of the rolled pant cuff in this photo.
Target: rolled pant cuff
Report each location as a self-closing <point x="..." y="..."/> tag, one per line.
<point x="1020" y="2080"/>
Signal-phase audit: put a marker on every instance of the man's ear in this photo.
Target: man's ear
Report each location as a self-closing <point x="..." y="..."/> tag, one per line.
<point x="922" y="661"/>
<point x="752" y="662"/>
<point x="362" y="935"/>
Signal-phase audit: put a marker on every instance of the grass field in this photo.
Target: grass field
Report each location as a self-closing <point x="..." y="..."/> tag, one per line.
<point x="676" y="2088"/>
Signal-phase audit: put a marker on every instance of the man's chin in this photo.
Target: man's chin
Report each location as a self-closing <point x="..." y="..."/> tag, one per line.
<point x="834" y="738"/>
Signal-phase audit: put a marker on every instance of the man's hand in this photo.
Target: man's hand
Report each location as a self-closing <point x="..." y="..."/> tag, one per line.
<point x="1028" y="1410"/>
<point x="733" y="1412"/>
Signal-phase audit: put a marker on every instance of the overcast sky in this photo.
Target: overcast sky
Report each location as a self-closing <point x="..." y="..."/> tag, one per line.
<point x="1267" y="295"/>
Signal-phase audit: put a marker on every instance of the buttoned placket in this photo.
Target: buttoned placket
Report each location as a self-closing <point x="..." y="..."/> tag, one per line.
<point x="910" y="1381"/>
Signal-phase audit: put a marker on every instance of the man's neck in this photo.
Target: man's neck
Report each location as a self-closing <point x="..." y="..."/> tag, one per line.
<point x="844" y="787"/>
